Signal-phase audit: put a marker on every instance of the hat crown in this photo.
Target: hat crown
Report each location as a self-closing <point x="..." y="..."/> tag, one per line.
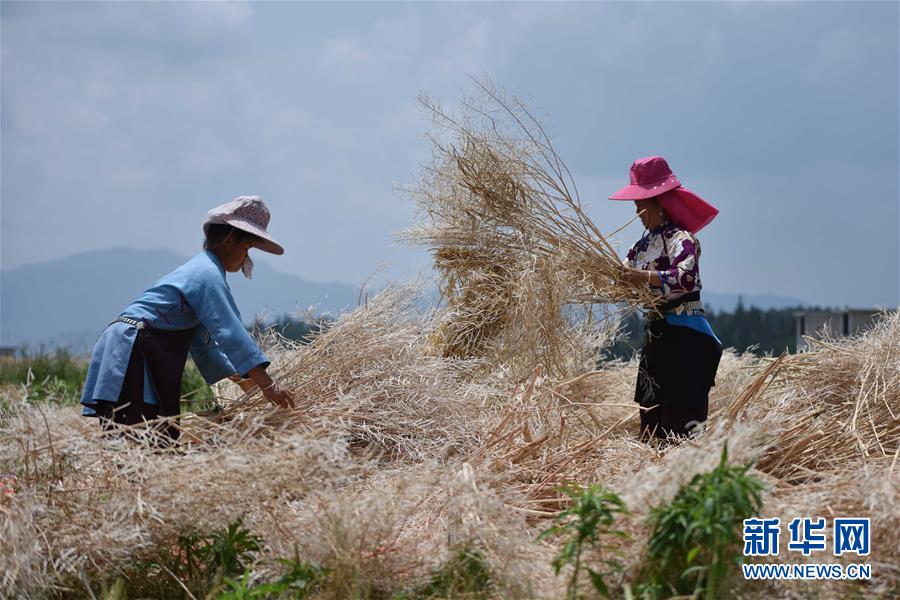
<point x="247" y="213"/>
<point x="650" y="170"/>
<point x="250" y="209"/>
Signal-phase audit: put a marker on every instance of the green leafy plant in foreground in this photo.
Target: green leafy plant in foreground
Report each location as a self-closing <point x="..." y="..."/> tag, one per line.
<point x="695" y="539"/>
<point x="302" y="577"/>
<point x="591" y="515"/>
<point x="196" y="565"/>
<point x="230" y="550"/>
<point x="465" y="575"/>
<point x="218" y="565"/>
<point x="300" y="580"/>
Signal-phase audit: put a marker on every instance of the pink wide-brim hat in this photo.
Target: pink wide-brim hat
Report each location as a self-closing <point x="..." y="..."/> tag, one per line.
<point x="247" y="213"/>
<point x="651" y="177"/>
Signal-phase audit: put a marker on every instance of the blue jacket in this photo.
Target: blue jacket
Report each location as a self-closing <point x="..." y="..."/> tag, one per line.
<point x="193" y="295"/>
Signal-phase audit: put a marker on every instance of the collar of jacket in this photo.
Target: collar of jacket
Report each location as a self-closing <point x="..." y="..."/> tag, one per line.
<point x="215" y="260"/>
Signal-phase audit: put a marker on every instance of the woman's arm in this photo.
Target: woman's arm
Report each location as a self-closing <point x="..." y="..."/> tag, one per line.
<point x="270" y="389"/>
<point x="638" y="277"/>
<point x="208" y="357"/>
<point x="214" y="305"/>
<point x="259" y="378"/>
<point x="245" y="384"/>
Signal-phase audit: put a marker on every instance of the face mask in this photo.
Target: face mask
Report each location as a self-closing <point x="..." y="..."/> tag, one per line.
<point x="247" y="267"/>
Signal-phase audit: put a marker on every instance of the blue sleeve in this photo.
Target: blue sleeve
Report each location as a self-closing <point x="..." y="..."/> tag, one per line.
<point x="209" y="358"/>
<point x="214" y="305"/>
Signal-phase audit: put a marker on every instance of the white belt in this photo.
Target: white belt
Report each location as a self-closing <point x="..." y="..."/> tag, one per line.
<point x="691" y="306"/>
<point x="133" y="322"/>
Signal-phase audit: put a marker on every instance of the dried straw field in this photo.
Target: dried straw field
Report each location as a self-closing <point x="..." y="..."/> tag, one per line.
<point x="420" y="433"/>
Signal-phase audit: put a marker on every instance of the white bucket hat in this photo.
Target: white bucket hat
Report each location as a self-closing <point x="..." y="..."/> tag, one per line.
<point x="247" y="213"/>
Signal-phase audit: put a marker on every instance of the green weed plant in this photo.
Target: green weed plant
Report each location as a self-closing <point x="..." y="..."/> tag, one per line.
<point x="465" y="575"/>
<point x="300" y="580"/>
<point x="695" y="540"/>
<point x="197" y="564"/>
<point x="591" y="516"/>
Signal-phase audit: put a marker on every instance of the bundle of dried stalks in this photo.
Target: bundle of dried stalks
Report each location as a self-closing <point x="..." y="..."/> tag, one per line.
<point x="479" y="291"/>
<point x="369" y="378"/>
<point x="501" y="212"/>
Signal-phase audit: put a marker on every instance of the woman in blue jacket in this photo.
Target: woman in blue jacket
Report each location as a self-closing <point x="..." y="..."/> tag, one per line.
<point x="138" y="361"/>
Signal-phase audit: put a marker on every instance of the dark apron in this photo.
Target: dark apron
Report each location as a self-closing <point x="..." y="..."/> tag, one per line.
<point x="676" y="371"/>
<point x="164" y="353"/>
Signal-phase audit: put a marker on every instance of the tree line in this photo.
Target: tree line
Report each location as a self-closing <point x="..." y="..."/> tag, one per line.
<point x="761" y="331"/>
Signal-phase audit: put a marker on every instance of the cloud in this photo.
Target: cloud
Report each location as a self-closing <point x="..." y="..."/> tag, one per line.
<point x="191" y="30"/>
<point x="165" y="109"/>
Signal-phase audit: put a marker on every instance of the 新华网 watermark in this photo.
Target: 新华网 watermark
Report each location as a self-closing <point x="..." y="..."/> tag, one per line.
<point x="807" y="536"/>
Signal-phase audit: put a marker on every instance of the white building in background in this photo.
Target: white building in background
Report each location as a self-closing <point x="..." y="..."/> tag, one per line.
<point x="837" y="323"/>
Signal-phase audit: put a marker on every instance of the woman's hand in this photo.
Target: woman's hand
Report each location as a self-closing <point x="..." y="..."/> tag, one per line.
<point x="279" y="397"/>
<point x="270" y="389"/>
<point x="632" y="276"/>
<point x="638" y="277"/>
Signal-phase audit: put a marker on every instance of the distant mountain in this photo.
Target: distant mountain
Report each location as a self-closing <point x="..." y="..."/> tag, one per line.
<point x="728" y="302"/>
<point x="68" y="301"/>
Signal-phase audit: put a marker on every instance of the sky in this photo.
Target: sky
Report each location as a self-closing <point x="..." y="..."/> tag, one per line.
<point x="123" y="123"/>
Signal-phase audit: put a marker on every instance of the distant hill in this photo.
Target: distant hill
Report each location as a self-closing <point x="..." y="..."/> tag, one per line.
<point x="68" y="301"/>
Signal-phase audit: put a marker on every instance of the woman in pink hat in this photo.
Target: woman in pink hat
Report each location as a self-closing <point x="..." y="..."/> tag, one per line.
<point x="137" y="362"/>
<point x="680" y="354"/>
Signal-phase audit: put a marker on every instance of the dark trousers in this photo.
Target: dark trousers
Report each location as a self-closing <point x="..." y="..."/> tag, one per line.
<point x="677" y="369"/>
<point x="164" y="354"/>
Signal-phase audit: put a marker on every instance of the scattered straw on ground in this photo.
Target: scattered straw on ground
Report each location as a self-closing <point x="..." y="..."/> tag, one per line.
<point x="395" y="456"/>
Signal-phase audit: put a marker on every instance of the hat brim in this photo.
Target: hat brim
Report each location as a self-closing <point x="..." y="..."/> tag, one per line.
<point x="265" y="242"/>
<point x="642" y="192"/>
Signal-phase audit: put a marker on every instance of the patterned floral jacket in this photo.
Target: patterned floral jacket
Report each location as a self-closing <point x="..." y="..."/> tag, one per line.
<point x="674" y="253"/>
